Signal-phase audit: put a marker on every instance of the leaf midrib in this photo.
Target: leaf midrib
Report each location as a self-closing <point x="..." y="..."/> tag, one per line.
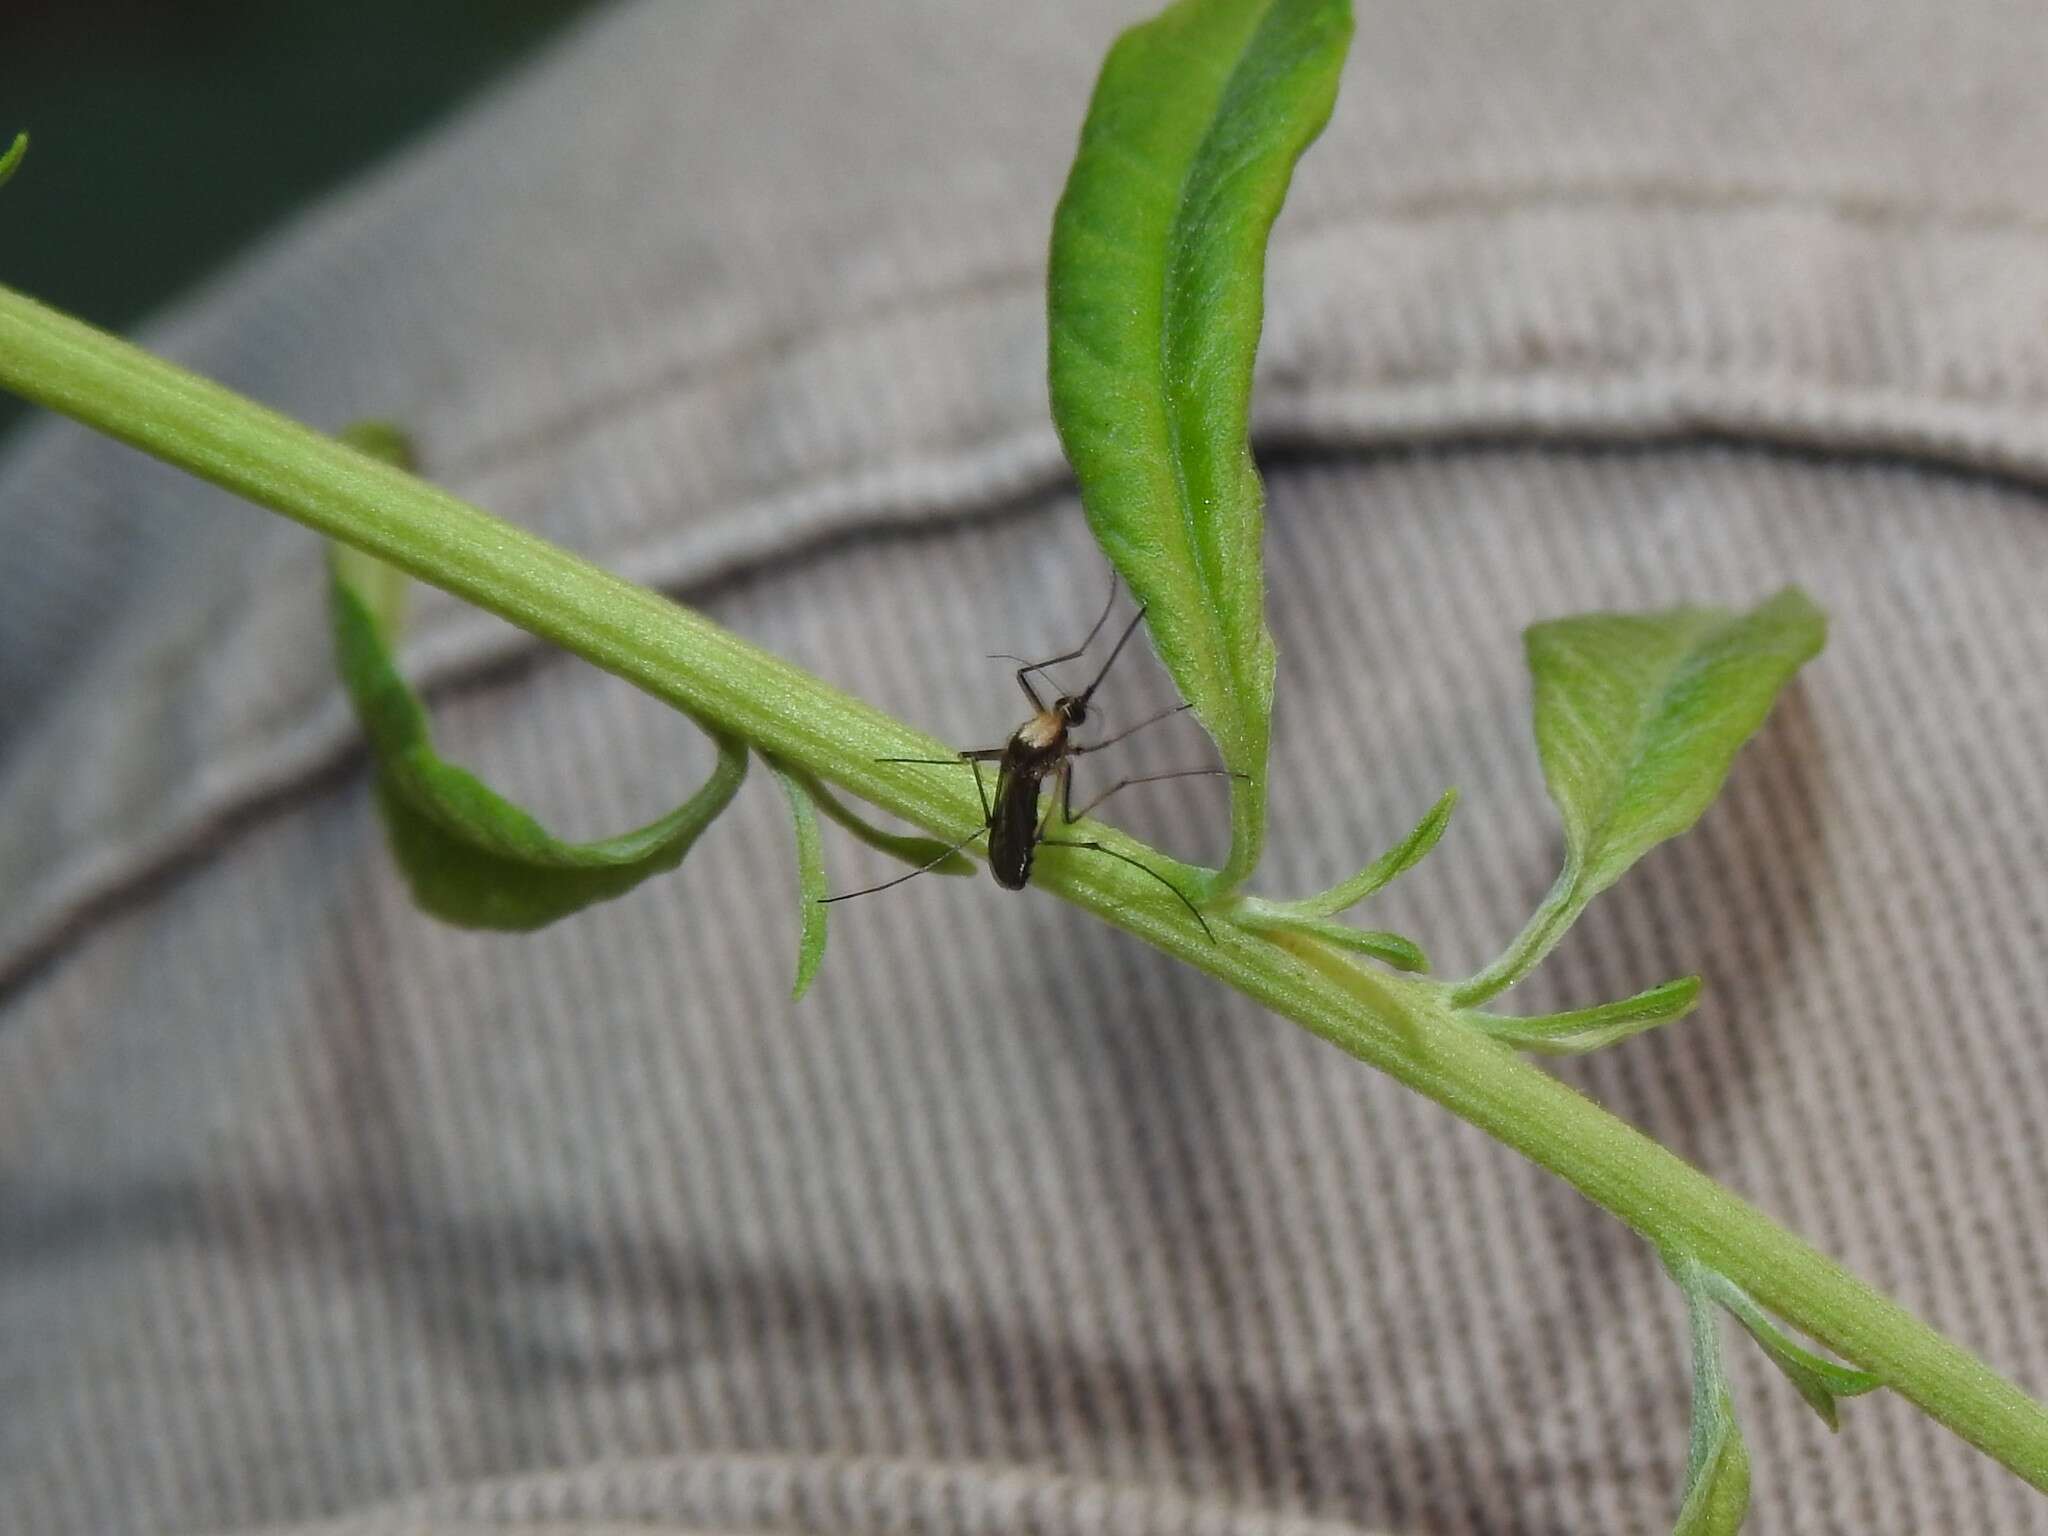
<point x="1181" y="239"/>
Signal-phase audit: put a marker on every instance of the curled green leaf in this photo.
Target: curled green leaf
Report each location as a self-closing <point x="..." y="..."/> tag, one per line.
<point x="1820" y="1381"/>
<point x="469" y="855"/>
<point x="1716" y="1462"/>
<point x="1385" y="869"/>
<point x="1588" y="1029"/>
<point x="1278" y="917"/>
<point x="1638" y="719"/>
<point x="1155" y="299"/>
<point x="810" y="875"/>
<point x="11" y="161"/>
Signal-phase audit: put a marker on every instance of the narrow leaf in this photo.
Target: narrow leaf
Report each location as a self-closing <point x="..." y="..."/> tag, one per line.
<point x="1819" y="1381"/>
<point x="918" y="852"/>
<point x="1588" y="1029"/>
<point x="471" y="856"/>
<point x="810" y="875"/>
<point x="11" y="161"/>
<point x="1155" y="300"/>
<point x="1716" y="1462"/>
<point x="1388" y="867"/>
<point x="1638" y="718"/>
<point x="1274" y="917"/>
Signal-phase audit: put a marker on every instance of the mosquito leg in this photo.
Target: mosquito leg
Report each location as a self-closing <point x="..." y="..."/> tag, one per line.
<point x="1148" y="778"/>
<point x="987" y="815"/>
<point x="1179" y="894"/>
<point x="1114" y="651"/>
<point x="1052" y="661"/>
<point x="973" y="757"/>
<point x="869" y="890"/>
<point x="1065" y="797"/>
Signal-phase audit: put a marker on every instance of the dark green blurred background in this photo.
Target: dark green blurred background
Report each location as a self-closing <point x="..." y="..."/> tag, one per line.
<point x="168" y="133"/>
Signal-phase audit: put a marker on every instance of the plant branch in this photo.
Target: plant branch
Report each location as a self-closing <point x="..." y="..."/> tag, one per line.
<point x="1404" y="1027"/>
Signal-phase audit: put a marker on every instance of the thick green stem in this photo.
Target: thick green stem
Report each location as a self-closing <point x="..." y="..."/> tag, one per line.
<point x="1405" y="1028"/>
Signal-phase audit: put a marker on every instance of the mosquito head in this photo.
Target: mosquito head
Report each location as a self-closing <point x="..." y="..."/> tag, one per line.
<point x="1072" y="708"/>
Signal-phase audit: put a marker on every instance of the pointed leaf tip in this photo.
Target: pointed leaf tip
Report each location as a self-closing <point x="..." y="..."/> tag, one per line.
<point x="1820" y="1381"/>
<point x="1588" y="1029"/>
<point x="1389" y="866"/>
<point x="1154" y="298"/>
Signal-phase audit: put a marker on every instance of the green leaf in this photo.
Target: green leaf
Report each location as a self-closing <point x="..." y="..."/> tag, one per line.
<point x="1716" y="1462"/>
<point x="1155" y="300"/>
<point x="810" y="875"/>
<point x="471" y="856"/>
<point x="1588" y="1029"/>
<point x="1638" y="718"/>
<point x="1820" y="1381"/>
<point x="11" y="161"/>
<point x="1280" y="917"/>
<point x="918" y="852"/>
<point x="1385" y="869"/>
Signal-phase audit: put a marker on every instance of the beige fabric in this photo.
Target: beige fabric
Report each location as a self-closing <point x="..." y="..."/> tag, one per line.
<point x="312" y="1212"/>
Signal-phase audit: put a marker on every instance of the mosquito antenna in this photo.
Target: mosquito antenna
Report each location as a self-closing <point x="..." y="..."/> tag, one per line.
<point x="1116" y="651"/>
<point x="1179" y="894"/>
<point x="826" y="901"/>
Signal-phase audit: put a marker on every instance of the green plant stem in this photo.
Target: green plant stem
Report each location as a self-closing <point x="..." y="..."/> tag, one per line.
<point x="1405" y="1028"/>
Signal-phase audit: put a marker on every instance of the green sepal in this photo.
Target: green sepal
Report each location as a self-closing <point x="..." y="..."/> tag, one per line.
<point x="1716" y="1461"/>
<point x="1155" y="296"/>
<point x="11" y="161"/>
<point x="1820" y="1381"/>
<point x="1385" y="869"/>
<point x="471" y="856"/>
<point x="1588" y="1029"/>
<point x="810" y="875"/>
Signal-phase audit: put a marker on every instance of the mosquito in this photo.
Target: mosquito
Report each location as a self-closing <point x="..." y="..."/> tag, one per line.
<point x="1043" y="748"/>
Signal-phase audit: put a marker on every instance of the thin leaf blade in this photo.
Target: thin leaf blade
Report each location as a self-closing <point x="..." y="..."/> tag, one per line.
<point x="1391" y="949"/>
<point x="1155" y="300"/>
<point x="10" y="162"/>
<point x="1639" y="717"/>
<point x="470" y="856"/>
<point x="810" y="876"/>
<point x="1822" y="1382"/>
<point x="1389" y="866"/>
<point x="1588" y="1029"/>
<point x="1717" y="1462"/>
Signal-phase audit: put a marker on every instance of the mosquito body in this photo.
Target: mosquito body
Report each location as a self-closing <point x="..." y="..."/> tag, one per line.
<point x="1018" y="818"/>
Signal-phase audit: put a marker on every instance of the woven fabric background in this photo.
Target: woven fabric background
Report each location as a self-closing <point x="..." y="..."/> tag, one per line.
<point x="316" y="1215"/>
